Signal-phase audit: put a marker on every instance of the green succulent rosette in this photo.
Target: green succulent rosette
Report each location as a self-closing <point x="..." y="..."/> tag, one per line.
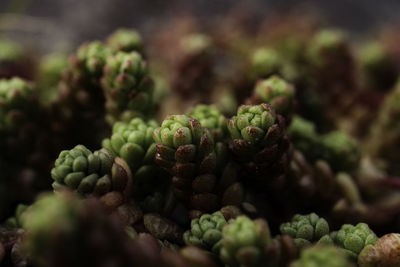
<point x="15" y="221"/>
<point x="332" y="70"/>
<point x="86" y="66"/>
<point x="92" y="57"/>
<point x="128" y="88"/>
<point x="306" y="229"/>
<point x="10" y="51"/>
<point x="206" y="232"/>
<point x="24" y="143"/>
<point x="15" y="60"/>
<point x="327" y="256"/>
<point x="193" y="69"/>
<point x="304" y="137"/>
<point x="88" y="173"/>
<point x="49" y="75"/>
<point x="16" y="97"/>
<point x="259" y="142"/>
<point x="211" y="118"/>
<point x="324" y="45"/>
<point x="63" y="230"/>
<point x="265" y="61"/>
<point x="340" y="150"/>
<point x="187" y="151"/>
<point x="377" y="66"/>
<point x="196" y="43"/>
<point x="23" y="123"/>
<point x="277" y="92"/>
<point x="125" y="40"/>
<point x="331" y="67"/>
<point x="354" y="238"/>
<point x="244" y="242"/>
<point x="133" y="141"/>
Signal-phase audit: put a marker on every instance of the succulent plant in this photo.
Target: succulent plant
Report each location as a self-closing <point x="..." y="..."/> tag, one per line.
<point x="306" y="229"/>
<point x="49" y="74"/>
<point x="86" y="66"/>
<point x="78" y="111"/>
<point x="211" y="118"/>
<point x="259" y="142"/>
<point x="161" y="200"/>
<point x="385" y="252"/>
<point x="125" y="40"/>
<point x="354" y="238"/>
<point x="204" y="179"/>
<point x="150" y="190"/>
<point x="16" y="96"/>
<point x="15" y="221"/>
<point x="244" y="242"/>
<point x="378" y="66"/>
<point x="128" y="88"/>
<point x="385" y="132"/>
<point x="196" y="43"/>
<point x="206" y="232"/>
<point x="10" y="50"/>
<point x="321" y="255"/>
<point x="87" y="173"/>
<point x="62" y="230"/>
<point x="277" y="92"/>
<point x="186" y="150"/>
<point x="24" y="143"/>
<point x="133" y="141"/>
<point x="332" y="74"/>
<point x="15" y="60"/>
<point x="302" y="178"/>
<point x="340" y="150"/>
<point x="304" y="137"/>
<point x="193" y="75"/>
<point x="265" y="61"/>
<point x="326" y="44"/>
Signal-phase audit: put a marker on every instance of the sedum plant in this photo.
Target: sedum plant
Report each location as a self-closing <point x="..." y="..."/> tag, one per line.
<point x="206" y="232"/>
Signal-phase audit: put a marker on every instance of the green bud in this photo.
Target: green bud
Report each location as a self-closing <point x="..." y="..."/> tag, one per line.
<point x="252" y="122"/>
<point x="341" y="151"/>
<point x="125" y="40"/>
<point x="324" y="44"/>
<point x="277" y="92"/>
<point x="354" y="238"/>
<point x="244" y="242"/>
<point x="93" y="57"/>
<point x="86" y="172"/>
<point x="378" y="66"/>
<point x="206" y="232"/>
<point x="211" y="118"/>
<point x="129" y="89"/>
<point x="304" y="228"/>
<point x="265" y="61"/>
<point x="327" y="256"/>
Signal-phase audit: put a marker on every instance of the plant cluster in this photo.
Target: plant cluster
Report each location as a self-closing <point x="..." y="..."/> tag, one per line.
<point x="240" y="151"/>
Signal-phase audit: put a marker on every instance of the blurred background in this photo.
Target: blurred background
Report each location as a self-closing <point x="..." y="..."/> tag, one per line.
<point x="48" y="25"/>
